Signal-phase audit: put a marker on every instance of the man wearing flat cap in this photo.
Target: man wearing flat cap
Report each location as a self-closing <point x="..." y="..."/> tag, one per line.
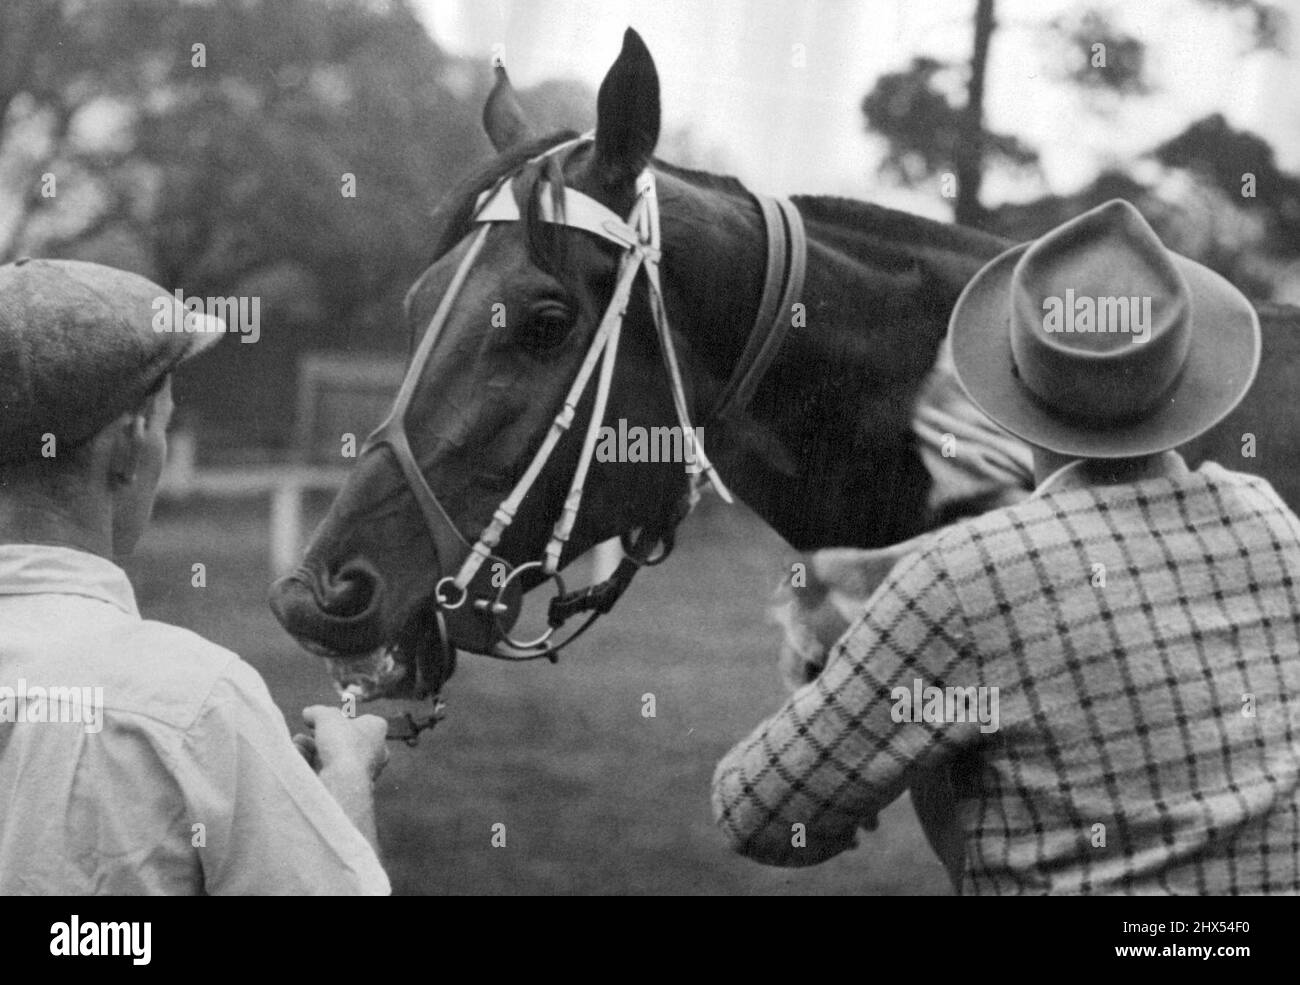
<point x="1099" y="679"/>
<point x="136" y="757"/>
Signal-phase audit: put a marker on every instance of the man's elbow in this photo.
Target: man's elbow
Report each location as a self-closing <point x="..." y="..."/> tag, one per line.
<point x="774" y="839"/>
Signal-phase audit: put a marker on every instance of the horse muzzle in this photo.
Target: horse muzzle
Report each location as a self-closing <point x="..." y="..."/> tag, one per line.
<point x="411" y="660"/>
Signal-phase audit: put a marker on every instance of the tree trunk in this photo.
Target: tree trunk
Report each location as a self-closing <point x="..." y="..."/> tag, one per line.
<point x="969" y="155"/>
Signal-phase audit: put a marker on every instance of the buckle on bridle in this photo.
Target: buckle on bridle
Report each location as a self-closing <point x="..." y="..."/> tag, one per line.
<point x="499" y="606"/>
<point x="643" y="555"/>
<point x="442" y="601"/>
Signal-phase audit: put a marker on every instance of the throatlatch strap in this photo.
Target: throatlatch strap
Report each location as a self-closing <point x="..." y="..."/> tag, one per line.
<point x="787" y="262"/>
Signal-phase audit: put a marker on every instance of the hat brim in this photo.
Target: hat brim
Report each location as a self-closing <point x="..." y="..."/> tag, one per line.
<point x="1222" y="360"/>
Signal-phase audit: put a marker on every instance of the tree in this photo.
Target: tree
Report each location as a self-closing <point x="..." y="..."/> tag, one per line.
<point x="287" y="149"/>
<point x="935" y="128"/>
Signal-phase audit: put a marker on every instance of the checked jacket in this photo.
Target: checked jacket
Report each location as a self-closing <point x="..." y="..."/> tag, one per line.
<point x="1144" y="641"/>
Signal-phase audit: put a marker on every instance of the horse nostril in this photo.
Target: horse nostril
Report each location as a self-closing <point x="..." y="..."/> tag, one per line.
<point x="350" y="589"/>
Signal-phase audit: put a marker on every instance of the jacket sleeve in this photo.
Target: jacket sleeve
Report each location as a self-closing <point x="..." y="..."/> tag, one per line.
<point x="844" y="746"/>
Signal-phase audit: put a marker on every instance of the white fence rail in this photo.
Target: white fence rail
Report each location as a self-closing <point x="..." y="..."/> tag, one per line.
<point x="285" y="484"/>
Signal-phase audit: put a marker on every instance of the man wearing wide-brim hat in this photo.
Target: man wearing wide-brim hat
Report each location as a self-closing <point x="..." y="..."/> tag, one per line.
<point x="136" y="757"/>
<point x="1103" y="673"/>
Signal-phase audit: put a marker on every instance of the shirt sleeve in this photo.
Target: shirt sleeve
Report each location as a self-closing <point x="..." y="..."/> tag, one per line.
<point x="269" y="826"/>
<point x="844" y="746"/>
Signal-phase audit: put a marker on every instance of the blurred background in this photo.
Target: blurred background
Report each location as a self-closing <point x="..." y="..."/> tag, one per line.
<point x="205" y="143"/>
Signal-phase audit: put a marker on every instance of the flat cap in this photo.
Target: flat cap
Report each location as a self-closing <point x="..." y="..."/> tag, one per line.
<point x="80" y="344"/>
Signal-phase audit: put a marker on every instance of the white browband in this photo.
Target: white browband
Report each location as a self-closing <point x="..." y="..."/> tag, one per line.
<point x="580" y="212"/>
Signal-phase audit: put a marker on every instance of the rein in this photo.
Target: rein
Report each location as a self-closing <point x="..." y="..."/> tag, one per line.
<point x="478" y="606"/>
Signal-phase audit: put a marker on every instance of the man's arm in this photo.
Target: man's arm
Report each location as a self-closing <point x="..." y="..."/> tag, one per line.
<point x="270" y="826"/>
<point x="838" y="582"/>
<point x="352" y="790"/>
<point x="348" y="754"/>
<point x="796" y="790"/>
<point x="836" y="589"/>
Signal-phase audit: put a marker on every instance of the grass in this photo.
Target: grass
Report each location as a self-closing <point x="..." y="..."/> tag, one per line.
<point x="595" y="798"/>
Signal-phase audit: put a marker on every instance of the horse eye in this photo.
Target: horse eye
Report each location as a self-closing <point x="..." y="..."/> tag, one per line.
<point x="547" y="328"/>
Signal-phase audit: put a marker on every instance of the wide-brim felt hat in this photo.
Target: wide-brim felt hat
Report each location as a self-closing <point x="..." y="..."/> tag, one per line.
<point x="1095" y="341"/>
<point x="80" y="344"/>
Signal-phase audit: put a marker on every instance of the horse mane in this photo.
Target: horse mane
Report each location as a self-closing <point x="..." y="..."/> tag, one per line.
<point x="888" y="237"/>
<point x="900" y="227"/>
<point x="704" y="179"/>
<point x="873" y="233"/>
<point x="884" y="223"/>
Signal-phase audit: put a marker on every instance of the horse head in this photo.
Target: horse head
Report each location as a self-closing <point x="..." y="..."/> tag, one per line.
<point x="507" y="317"/>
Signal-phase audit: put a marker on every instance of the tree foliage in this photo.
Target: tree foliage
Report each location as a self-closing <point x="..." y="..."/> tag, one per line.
<point x="209" y="145"/>
<point x="1219" y="196"/>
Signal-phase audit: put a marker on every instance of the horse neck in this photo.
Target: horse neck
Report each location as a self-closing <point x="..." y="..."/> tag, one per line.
<point x="825" y="452"/>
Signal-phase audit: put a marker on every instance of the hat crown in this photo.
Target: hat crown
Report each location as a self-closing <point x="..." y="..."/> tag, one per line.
<point x="1101" y="318"/>
<point x="79" y="344"/>
<point x="1020" y="355"/>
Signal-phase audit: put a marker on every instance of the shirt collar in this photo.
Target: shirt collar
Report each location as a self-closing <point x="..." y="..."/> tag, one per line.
<point x="45" y="569"/>
<point x="1044" y="487"/>
<point x="1167" y="465"/>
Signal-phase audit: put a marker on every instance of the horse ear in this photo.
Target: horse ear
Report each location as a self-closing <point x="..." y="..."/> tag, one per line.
<point x="627" y="114"/>
<point x="503" y="117"/>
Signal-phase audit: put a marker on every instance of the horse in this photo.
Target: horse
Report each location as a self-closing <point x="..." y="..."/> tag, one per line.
<point x="520" y="303"/>
<point x="827" y="428"/>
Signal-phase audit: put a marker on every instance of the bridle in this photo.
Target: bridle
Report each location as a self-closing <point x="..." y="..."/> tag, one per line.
<point x="478" y="606"/>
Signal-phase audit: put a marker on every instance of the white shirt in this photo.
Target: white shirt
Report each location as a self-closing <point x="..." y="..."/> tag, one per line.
<point x="184" y="783"/>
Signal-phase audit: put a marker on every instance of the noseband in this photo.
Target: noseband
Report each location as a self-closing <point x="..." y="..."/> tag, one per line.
<point x="478" y="606"/>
